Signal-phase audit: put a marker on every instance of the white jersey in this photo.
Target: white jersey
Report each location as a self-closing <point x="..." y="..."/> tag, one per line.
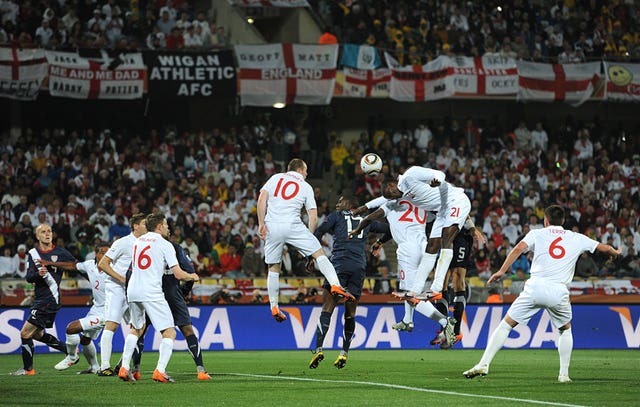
<point x="152" y="254"/>
<point x="556" y="252"/>
<point x="414" y="184"/>
<point x="120" y="255"/>
<point x="97" y="279"/>
<point x="288" y="193"/>
<point x="406" y="221"/>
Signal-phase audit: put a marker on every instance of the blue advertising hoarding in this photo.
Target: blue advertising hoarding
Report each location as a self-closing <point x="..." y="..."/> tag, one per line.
<point x="251" y="327"/>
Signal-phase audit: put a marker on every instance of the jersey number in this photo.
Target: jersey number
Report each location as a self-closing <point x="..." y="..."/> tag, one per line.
<point x="455" y="212"/>
<point x="555" y="250"/>
<point x="348" y="218"/>
<point x="285" y="192"/>
<point x="406" y="216"/>
<point x="97" y="287"/>
<point x="462" y="251"/>
<point x="144" y="261"/>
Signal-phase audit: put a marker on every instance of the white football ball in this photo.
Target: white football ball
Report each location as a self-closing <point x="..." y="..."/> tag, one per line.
<point x="371" y="164"/>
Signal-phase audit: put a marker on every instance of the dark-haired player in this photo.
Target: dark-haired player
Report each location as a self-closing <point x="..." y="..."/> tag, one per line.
<point x="349" y="258"/>
<point x="46" y="304"/>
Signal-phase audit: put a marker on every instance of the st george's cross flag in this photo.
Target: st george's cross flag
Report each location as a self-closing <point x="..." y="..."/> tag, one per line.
<point x="21" y="72"/>
<point x="487" y="75"/>
<point x="365" y="83"/>
<point x="415" y="83"/>
<point x="286" y="73"/>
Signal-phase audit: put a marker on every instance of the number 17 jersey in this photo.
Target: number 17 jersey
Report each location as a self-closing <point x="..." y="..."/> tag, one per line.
<point x="288" y="193"/>
<point x="556" y="252"/>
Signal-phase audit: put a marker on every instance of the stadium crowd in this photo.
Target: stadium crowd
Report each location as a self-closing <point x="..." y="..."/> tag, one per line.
<point x="86" y="183"/>
<point x="540" y="30"/>
<point x="68" y="25"/>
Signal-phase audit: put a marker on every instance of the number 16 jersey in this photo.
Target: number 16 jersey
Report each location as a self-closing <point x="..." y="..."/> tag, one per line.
<point x="152" y="254"/>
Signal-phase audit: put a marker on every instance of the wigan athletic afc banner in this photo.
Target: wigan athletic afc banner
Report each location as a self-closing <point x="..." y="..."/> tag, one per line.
<point x="191" y="74"/>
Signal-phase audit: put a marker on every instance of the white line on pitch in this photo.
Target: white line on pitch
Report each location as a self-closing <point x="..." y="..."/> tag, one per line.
<point x="397" y="386"/>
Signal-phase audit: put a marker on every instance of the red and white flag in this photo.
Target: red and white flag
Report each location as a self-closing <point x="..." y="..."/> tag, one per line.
<point x="623" y="81"/>
<point x="571" y="83"/>
<point x="72" y="76"/>
<point x="286" y="73"/>
<point x="485" y="76"/>
<point x="365" y="83"/>
<point x="21" y="73"/>
<point x="432" y="81"/>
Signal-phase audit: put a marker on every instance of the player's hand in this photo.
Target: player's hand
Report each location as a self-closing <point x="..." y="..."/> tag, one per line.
<point x="352" y="233"/>
<point x="262" y="232"/>
<point x="435" y="183"/>
<point x="359" y="210"/>
<point x="479" y="236"/>
<point x="495" y="277"/>
<point x="195" y="277"/>
<point x="375" y="248"/>
<point x="310" y="266"/>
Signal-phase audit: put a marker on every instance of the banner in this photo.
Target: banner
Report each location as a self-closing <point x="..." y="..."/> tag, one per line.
<point x="252" y="328"/>
<point x="21" y="72"/>
<point x="571" y="83"/>
<point x="622" y="81"/>
<point x="360" y="57"/>
<point x="366" y="83"/>
<point x="191" y="74"/>
<point x="286" y="73"/>
<point x="269" y="3"/>
<point x="487" y="75"/>
<point x="120" y="77"/>
<point x="432" y="81"/>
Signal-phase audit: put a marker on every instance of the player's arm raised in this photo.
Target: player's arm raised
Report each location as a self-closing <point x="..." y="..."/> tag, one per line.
<point x="105" y="265"/>
<point x="262" y="212"/>
<point x="506" y="265"/>
<point x="65" y="265"/>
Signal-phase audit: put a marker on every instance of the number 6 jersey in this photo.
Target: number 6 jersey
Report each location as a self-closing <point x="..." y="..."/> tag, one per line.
<point x="555" y="252"/>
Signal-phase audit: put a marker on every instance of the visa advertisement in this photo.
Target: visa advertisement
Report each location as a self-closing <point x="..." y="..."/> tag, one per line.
<point x="251" y="327"/>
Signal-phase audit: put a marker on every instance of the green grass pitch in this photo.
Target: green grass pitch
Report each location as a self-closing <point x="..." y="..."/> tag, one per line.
<point x="371" y="378"/>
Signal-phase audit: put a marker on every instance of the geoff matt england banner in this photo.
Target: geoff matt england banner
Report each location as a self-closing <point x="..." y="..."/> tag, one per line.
<point x="623" y="81"/>
<point x="485" y="76"/>
<point x="21" y="72"/>
<point x="415" y="83"/>
<point x="100" y="77"/>
<point x="286" y="73"/>
<point x="190" y="74"/>
<point x="571" y="83"/>
<point x="269" y="3"/>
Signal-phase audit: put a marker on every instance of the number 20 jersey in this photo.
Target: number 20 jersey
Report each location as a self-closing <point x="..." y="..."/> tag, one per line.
<point x="555" y="252"/>
<point x="288" y="193"/>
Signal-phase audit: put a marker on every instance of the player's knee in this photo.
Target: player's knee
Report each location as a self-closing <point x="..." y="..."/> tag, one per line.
<point x="318" y="253"/>
<point x="187" y="330"/>
<point x="169" y="333"/>
<point x="565" y="327"/>
<point x="85" y="340"/>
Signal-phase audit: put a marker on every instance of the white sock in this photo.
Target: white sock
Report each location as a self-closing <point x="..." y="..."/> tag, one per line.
<point x="496" y="341"/>
<point x="273" y="288"/>
<point x="105" y="349"/>
<point x="427" y="262"/>
<point x="89" y="352"/>
<point x="327" y="270"/>
<point x="428" y="310"/>
<point x="441" y="269"/>
<point x="165" y="351"/>
<point x="130" y="344"/>
<point x="565" y="346"/>
<point x="72" y="345"/>
<point x="408" y="313"/>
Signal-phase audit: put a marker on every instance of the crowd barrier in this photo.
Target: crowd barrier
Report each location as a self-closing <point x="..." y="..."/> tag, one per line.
<point x="252" y="328"/>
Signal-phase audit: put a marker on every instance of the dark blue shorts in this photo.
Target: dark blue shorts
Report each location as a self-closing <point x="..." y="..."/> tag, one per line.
<point x="176" y="301"/>
<point x="42" y="317"/>
<point x="352" y="280"/>
<point x="462" y="250"/>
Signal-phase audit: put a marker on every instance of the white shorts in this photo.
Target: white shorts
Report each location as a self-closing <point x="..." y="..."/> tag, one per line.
<point x="458" y="208"/>
<point x="296" y="234"/>
<point x="158" y="311"/>
<point x="115" y="303"/>
<point x="409" y="255"/>
<point x="93" y="323"/>
<point x="540" y="294"/>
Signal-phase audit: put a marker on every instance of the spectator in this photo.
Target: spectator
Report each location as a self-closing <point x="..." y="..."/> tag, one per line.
<point x="231" y="263"/>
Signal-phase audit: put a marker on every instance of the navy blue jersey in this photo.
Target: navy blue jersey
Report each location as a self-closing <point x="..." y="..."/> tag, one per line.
<point x="462" y="248"/>
<point x="348" y="252"/>
<point x="185" y="264"/>
<point x="47" y="289"/>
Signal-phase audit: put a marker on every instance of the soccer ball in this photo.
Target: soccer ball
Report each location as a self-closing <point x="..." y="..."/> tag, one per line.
<point x="371" y="164"/>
